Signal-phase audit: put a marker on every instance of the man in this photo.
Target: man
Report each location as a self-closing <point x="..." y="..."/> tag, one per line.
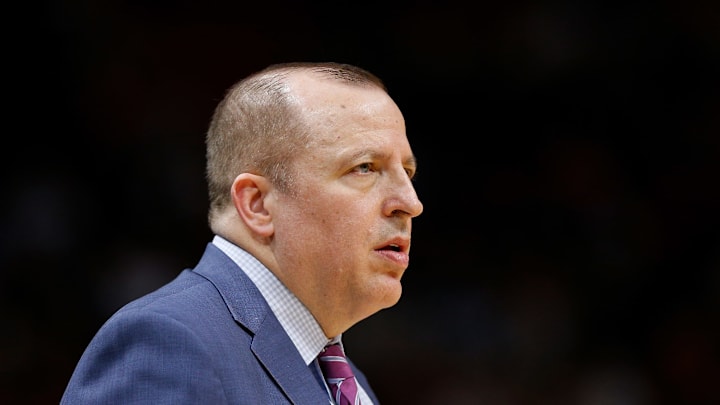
<point x="309" y="174"/>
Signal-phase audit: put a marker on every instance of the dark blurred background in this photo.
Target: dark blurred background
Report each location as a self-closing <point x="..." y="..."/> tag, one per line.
<point x="569" y="154"/>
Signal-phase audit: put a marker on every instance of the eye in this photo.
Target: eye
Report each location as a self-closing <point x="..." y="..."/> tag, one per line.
<point x="410" y="172"/>
<point x="364" y="168"/>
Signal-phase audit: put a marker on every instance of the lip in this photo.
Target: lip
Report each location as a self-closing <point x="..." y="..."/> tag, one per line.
<point x="395" y="250"/>
<point x="401" y="244"/>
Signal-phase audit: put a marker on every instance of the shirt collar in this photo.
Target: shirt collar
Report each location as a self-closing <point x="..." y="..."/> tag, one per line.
<point x="300" y="325"/>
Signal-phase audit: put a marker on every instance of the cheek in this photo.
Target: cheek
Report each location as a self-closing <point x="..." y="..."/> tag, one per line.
<point x="344" y="229"/>
<point x="336" y="218"/>
<point x="347" y="218"/>
<point x="331" y="214"/>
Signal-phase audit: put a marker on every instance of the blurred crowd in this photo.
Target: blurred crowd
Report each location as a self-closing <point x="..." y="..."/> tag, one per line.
<point x="569" y="156"/>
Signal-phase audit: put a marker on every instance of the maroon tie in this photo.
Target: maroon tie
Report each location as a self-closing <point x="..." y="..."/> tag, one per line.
<point x="338" y="375"/>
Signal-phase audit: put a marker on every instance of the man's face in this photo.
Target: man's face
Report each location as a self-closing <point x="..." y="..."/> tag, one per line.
<point x="342" y="238"/>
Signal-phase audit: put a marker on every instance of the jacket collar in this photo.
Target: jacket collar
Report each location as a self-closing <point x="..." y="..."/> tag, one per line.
<point x="270" y="344"/>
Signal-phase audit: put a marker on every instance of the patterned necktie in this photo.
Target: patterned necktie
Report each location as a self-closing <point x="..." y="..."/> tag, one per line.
<point x="338" y="375"/>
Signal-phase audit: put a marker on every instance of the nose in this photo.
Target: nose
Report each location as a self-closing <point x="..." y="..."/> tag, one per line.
<point x="403" y="199"/>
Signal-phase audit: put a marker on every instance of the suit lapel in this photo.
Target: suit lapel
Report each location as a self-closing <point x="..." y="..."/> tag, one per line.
<point x="270" y="344"/>
<point x="276" y="352"/>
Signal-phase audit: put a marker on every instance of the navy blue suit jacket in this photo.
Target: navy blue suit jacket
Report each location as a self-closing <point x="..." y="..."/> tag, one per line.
<point x="207" y="337"/>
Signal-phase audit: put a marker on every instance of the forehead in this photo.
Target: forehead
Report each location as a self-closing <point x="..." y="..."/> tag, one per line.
<point x="370" y="127"/>
<point x="349" y="122"/>
<point x="331" y="108"/>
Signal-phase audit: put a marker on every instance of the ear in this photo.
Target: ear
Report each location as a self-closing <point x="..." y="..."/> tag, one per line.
<point x="249" y="192"/>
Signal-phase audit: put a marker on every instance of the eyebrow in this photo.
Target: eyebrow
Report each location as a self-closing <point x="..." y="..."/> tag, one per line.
<point x="410" y="161"/>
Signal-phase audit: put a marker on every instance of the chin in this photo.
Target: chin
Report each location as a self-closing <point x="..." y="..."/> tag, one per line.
<point x="384" y="292"/>
<point x="392" y="296"/>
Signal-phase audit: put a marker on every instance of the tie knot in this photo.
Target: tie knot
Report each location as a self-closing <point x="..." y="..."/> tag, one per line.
<point x="339" y="375"/>
<point x="333" y="363"/>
